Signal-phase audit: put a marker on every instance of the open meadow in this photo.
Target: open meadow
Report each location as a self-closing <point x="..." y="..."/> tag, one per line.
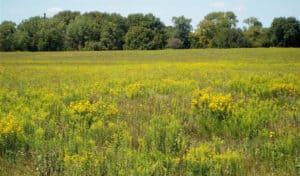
<point x="167" y="112"/>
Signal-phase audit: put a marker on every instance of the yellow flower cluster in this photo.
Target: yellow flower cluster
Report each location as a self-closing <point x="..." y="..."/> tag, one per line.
<point x="271" y="134"/>
<point x="203" y="99"/>
<point x="85" y="107"/>
<point x="206" y="153"/>
<point x="228" y="156"/>
<point x="9" y="125"/>
<point x="221" y="103"/>
<point x="115" y="91"/>
<point x="200" y="98"/>
<point x="39" y="133"/>
<point x="135" y="90"/>
<point x="284" y="90"/>
<point x="200" y="153"/>
<point x="111" y="110"/>
<point x="74" y="159"/>
<point x="176" y="160"/>
<point x="171" y="82"/>
<point x="81" y="107"/>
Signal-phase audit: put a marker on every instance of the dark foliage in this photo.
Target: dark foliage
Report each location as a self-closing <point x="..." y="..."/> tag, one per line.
<point x="70" y="30"/>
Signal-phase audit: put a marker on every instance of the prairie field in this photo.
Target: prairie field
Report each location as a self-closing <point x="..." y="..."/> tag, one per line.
<point x="167" y="112"/>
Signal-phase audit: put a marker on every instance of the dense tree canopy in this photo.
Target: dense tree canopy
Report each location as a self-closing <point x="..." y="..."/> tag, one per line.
<point x="81" y="30"/>
<point x="31" y="34"/>
<point x="252" y="21"/>
<point x="285" y="32"/>
<point x="70" y="30"/>
<point x="66" y="16"/>
<point x="218" y="30"/>
<point x="143" y="38"/>
<point x="182" y="28"/>
<point x="146" y="32"/>
<point x="113" y="31"/>
<point x="7" y="31"/>
<point x="52" y="35"/>
<point x="255" y="33"/>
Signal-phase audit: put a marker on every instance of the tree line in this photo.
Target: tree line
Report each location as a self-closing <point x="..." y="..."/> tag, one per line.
<point x="70" y="30"/>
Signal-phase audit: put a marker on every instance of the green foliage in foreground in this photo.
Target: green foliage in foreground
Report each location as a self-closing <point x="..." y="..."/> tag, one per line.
<point x="187" y="112"/>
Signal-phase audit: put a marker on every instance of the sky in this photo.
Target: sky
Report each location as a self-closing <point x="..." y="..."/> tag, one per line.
<point x="264" y="10"/>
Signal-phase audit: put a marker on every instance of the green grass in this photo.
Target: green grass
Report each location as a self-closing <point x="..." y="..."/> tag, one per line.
<point x="169" y="112"/>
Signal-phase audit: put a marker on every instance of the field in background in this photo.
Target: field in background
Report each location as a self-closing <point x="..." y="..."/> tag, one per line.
<point x="169" y="112"/>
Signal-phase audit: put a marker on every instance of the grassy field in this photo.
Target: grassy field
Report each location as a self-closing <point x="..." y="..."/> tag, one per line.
<point x="170" y="112"/>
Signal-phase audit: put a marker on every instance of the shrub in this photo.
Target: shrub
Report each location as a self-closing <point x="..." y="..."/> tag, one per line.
<point x="221" y="104"/>
<point x="11" y="136"/>
<point x="92" y="46"/>
<point x="175" y="43"/>
<point x="218" y="105"/>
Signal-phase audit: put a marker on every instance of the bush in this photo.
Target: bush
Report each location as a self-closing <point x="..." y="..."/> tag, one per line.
<point x="217" y="105"/>
<point x="142" y="38"/>
<point x="175" y="43"/>
<point x="11" y="136"/>
<point x="92" y="46"/>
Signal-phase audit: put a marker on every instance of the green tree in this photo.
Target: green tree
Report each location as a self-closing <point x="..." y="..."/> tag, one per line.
<point x="66" y="16"/>
<point x="230" y="38"/>
<point x="51" y="35"/>
<point x="81" y="30"/>
<point x="170" y="31"/>
<point x="145" y="32"/>
<point x="217" y="24"/>
<point x="29" y="37"/>
<point x="285" y="32"/>
<point x="92" y="46"/>
<point x="142" y="38"/>
<point x="21" y="41"/>
<point x="182" y="28"/>
<point x="252" y="21"/>
<point x="255" y="33"/>
<point x="112" y="36"/>
<point x="7" y="31"/>
<point x="147" y="21"/>
<point x="194" y="39"/>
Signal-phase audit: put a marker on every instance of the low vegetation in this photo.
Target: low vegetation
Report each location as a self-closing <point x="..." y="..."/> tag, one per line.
<point x="169" y="112"/>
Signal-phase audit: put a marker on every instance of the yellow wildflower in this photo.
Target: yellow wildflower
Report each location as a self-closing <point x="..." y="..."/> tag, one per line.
<point x="284" y="90"/>
<point x="111" y="110"/>
<point x="200" y="153"/>
<point x="220" y="103"/>
<point x="74" y="159"/>
<point x="80" y="107"/>
<point x="201" y="98"/>
<point x="135" y="90"/>
<point x="176" y="160"/>
<point x="9" y="125"/>
<point x="271" y="134"/>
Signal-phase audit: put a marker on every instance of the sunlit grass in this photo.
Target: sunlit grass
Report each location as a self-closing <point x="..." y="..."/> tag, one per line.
<point x="169" y="112"/>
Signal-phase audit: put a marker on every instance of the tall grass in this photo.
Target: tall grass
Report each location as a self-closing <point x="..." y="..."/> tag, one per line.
<point x="170" y="112"/>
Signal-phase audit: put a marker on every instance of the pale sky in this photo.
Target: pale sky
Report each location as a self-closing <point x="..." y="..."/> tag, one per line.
<point x="264" y="10"/>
